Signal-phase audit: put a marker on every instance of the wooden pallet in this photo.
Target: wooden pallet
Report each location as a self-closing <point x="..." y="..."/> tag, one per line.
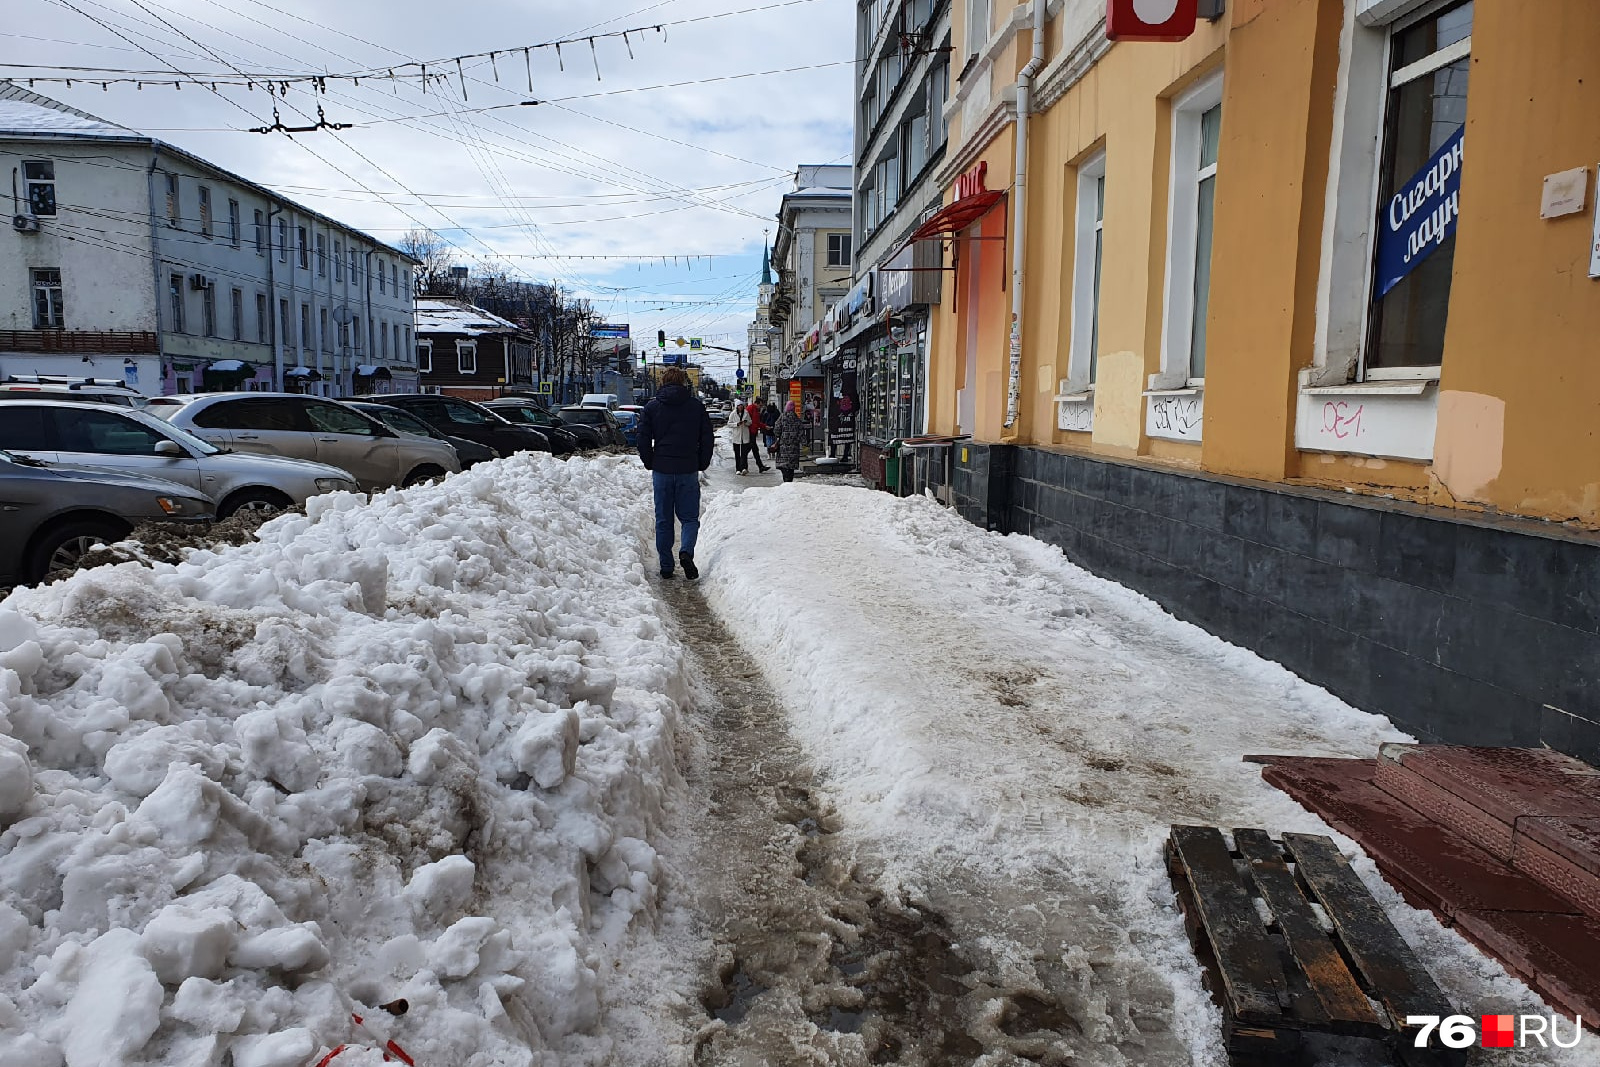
<point x="1295" y="972"/>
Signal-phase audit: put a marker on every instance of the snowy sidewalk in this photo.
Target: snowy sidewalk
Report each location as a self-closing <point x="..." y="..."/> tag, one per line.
<point x="1013" y="737"/>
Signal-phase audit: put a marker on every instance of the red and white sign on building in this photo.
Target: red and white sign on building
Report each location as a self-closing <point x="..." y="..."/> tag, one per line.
<point x="1151" y="20"/>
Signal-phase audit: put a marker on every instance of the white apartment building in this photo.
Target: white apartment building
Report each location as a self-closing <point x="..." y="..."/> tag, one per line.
<point x="130" y="258"/>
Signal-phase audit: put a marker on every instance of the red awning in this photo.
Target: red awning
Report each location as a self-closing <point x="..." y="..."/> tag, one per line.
<point x="958" y="216"/>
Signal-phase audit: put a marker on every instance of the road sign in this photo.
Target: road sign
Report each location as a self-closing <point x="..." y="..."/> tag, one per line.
<point x="694" y="344"/>
<point x="739" y="374"/>
<point x="547" y="388"/>
<point x="614" y="329"/>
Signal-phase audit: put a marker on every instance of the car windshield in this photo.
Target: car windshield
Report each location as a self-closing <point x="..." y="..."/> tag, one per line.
<point x="590" y="416"/>
<point x="177" y="433"/>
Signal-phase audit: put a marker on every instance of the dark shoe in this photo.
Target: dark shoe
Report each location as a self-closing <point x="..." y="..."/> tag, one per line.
<point x="686" y="561"/>
<point x="667" y="573"/>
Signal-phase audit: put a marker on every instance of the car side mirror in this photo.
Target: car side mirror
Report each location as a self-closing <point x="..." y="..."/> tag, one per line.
<point x="168" y="448"/>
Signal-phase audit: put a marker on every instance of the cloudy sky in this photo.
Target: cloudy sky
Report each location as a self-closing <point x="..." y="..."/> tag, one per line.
<point x="668" y="152"/>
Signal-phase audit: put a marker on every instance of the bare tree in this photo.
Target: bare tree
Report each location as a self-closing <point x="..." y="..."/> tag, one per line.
<point x="430" y="250"/>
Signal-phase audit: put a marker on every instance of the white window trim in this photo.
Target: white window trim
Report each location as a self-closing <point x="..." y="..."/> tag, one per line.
<point x="1182" y="225"/>
<point x="462" y="348"/>
<point x="425" y="357"/>
<point x="1084" y="309"/>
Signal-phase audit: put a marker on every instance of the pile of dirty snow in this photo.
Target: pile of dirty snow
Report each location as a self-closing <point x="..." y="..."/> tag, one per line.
<point x="401" y="762"/>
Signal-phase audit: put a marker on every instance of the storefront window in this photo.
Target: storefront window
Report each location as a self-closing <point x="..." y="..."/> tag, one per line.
<point x="1427" y="112"/>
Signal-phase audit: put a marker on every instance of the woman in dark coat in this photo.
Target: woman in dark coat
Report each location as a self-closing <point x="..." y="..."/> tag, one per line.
<point x="791" y="435"/>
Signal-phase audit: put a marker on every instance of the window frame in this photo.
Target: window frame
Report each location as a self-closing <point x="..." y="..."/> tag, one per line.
<point x="839" y="250"/>
<point x="234" y="222"/>
<point x="1183" y="210"/>
<point x="55" y="307"/>
<point x="263" y="318"/>
<point x="175" y="305"/>
<point x="262" y="230"/>
<point x="463" y="348"/>
<point x="1393" y="80"/>
<point x="302" y="248"/>
<point x="204" y="194"/>
<point x="283" y="240"/>
<point x="236" y="308"/>
<point x="1087" y="261"/>
<point x="322" y="255"/>
<point x="208" y="311"/>
<point x="174" y="197"/>
<point x="49" y="182"/>
<point x="425" y="357"/>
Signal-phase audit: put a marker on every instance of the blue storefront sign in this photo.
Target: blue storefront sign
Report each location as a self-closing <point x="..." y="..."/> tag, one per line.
<point x="1422" y="215"/>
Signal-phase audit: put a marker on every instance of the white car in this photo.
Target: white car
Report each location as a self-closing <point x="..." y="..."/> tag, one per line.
<point x="132" y="442"/>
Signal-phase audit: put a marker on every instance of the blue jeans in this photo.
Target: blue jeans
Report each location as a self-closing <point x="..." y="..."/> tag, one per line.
<point x="677" y="495"/>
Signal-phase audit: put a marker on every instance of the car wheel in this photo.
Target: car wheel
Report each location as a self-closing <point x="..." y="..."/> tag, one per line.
<point x="422" y="475"/>
<point x="261" y="502"/>
<point x="58" y="552"/>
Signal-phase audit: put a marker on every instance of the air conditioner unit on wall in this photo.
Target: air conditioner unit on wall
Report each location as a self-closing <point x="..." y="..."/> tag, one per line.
<point x="25" y="224"/>
<point x="199" y="282"/>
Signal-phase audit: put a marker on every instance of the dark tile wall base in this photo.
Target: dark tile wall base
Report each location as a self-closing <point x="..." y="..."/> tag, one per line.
<point x="1461" y="631"/>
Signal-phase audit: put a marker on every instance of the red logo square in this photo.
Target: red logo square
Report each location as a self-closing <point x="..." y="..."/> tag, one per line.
<point x="1499" y="1031"/>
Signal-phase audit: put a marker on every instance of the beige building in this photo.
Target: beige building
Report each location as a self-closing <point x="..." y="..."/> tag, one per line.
<point x="812" y="256"/>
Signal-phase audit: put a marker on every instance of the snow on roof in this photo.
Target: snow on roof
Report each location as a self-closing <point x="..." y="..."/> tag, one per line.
<point x="25" y="112"/>
<point x="440" y="315"/>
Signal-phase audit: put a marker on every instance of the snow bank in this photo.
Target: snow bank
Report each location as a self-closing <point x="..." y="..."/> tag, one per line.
<point x="413" y="750"/>
<point x="984" y="712"/>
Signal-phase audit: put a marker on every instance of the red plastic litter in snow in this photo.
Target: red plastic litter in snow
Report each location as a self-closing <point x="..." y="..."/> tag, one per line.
<point x="1499" y="1031"/>
<point x="400" y="1054"/>
<point x="329" y="1057"/>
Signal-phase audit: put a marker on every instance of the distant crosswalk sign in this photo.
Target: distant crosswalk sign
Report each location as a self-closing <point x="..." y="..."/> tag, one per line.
<point x="694" y="344"/>
<point x="546" y="388"/>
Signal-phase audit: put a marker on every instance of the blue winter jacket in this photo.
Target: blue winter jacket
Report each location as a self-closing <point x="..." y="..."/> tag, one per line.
<point x="675" y="433"/>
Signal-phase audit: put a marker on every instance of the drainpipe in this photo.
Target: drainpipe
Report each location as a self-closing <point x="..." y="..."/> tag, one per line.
<point x="155" y="265"/>
<point x="1019" y="192"/>
<point x="272" y="304"/>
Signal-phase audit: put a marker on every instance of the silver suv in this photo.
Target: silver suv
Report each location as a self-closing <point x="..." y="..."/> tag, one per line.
<point x="309" y="427"/>
<point x="132" y="442"/>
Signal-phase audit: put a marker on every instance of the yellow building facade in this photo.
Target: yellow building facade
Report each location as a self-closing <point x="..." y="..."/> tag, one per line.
<point x="1303" y="107"/>
<point x="1305" y="353"/>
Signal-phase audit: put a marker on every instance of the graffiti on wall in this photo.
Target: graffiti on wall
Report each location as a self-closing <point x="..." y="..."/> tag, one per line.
<point x="1076" y="416"/>
<point x="1176" y="417"/>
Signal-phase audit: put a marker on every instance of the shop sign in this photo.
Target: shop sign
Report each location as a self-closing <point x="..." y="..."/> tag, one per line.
<point x="1151" y="20"/>
<point x="1421" y="216"/>
<point x="912" y="277"/>
<point x="973" y="181"/>
<point x="613" y="329"/>
<point x="796" y="394"/>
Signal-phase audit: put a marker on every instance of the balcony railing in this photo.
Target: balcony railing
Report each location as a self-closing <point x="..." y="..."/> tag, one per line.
<point x="80" y="342"/>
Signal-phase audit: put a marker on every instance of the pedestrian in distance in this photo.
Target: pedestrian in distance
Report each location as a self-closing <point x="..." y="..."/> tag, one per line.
<point x="743" y="435"/>
<point x="754" y="411"/>
<point x="791" y="434"/>
<point x="769" y="425"/>
<point x="675" y="445"/>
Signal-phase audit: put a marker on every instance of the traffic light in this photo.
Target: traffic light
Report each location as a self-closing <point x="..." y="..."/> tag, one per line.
<point x="661" y="338"/>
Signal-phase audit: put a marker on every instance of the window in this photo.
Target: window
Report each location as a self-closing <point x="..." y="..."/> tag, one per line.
<point x="383" y="341"/>
<point x="175" y="298"/>
<point x="355" y="273"/>
<point x="331" y="418"/>
<point x="237" y="308"/>
<point x="208" y="310"/>
<point x="459" y="411"/>
<point x="425" y="357"/>
<point x="39" y="175"/>
<point x="409" y="347"/>
<point x="338" y="261"/>
<point x="261" y="318"/>
<point x="172" y="200"/>
<point x="1196" y="137"/>
<point x="261" y="232"/>
<point x="253" y="414"/>
<point x="380" y="276"/>
<point x="322" y="324"/>
<point x="322" y="255"/>
<point x="307" y="341"/>
<point x="205" y="210"/>
<point x="283" y="241"/>
<point x="304" y="248"/>
<point x="49" y="312"/>
<point x="397" y="349"/>
<point x="233" y="223"/>
<point x="977" y="26"/>
<point x="344" y="335"/>
<point x="1082" y="363"/>
<point x="467" y="357"/>
<point x="1427" y="110"/>
<point x="285" y="333"/>
<point x="23" y="429"/>
<point x="106" y="433"/>
<point x="838" y="250"/>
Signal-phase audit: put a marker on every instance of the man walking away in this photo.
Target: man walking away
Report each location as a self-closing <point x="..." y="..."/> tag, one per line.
<point x="675" y="444"/>
<point x="769" y="425"/>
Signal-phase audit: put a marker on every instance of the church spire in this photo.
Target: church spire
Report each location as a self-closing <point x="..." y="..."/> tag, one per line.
<point x="766" y="264"/>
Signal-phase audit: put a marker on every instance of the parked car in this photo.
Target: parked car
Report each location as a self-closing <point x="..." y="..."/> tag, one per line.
<point x="469" y="452"/>
<point x="54" y="515"/>
<point x="718" y="413"/>
<point x="599" y="419"/>
<point x="461" y="418"/>
<point x="599" y="400"/>
<point x="515" y="409"/>
<point x="309" y="427"/>
<point x="628" y="421"/>
<point x="91" y="390"/>
<point x="137" y="443"/>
